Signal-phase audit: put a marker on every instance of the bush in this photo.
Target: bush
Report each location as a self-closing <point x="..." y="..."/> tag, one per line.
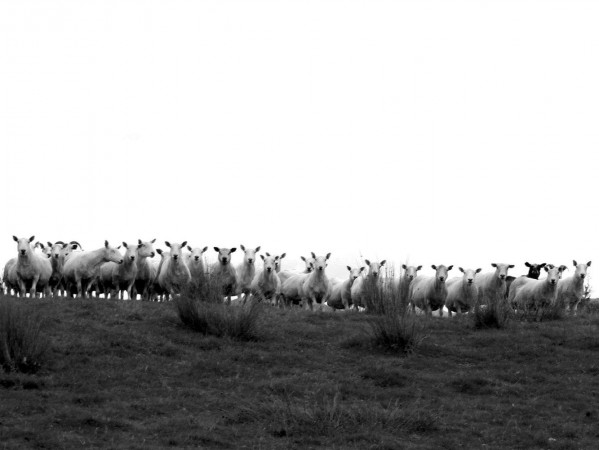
<point x="202" y="309"/>
<point x="22" y="345"/>
<point x="494" y="315"/>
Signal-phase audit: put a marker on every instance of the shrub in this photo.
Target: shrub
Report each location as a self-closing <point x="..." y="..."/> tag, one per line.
<point x="22" y="344"/>
<point x="202" y="309"/>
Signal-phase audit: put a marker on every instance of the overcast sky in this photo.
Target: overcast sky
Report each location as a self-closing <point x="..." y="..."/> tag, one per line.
<point x="439" y="132"/>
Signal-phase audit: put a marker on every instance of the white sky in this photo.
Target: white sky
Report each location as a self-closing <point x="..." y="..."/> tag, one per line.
<point x="446" y="132"/>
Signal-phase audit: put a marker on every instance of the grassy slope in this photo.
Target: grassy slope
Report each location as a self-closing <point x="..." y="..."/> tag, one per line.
<point x="127" y="374"/>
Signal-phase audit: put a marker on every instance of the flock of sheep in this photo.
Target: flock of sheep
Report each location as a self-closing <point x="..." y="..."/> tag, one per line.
<point x="66" y="269"/>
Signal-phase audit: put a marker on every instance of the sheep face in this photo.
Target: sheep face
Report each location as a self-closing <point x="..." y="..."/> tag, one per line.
<point x="249" y="254"/>
<point x="176" y="249"/>
<point x="145" y="249"/>
<point x="469" y="275"/>
<point x="375" y="267"/>
<point x="534" y="270"/>
<point x="410" y="272"/>
<point x="23" y="245"/>
<point x="130" y="253"/>
<point x="554" y="274"/>
<point x="501" y="270"/>
<point x="309" y="263"/>
<point x="112" y="254"/>
<point x="269" y="263"/>
<point x="224" y="255"/>
<point x="196" y="253"/>
<point x="278" y="261"/>
<point x="354" y="273"/>
<point x="46" y="251"/>
<point x="581" y="270"/>
<point x="320" y="262"/>
<point x="441" y="272"/>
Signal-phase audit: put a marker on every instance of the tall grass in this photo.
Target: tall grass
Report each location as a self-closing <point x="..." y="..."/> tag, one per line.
<point x="392" y="327"/>
<point x="22" y="345"/>
<point x="495" y="314"/>
<point x="201" y="307"/>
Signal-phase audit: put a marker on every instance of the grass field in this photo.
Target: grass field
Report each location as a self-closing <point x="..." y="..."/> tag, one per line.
<point x="122" y="374"/>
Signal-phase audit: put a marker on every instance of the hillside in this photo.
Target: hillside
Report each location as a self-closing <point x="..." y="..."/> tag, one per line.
<point x="123" y="374"/>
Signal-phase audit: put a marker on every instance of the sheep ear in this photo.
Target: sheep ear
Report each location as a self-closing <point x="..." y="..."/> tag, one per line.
<point x="589" y="264"/>
<point x="527" y="264"/>
<point x="31" y="238"/>
<point x="403" y="266"/>
<point x="216" y="249"/>
<point x="546" y="269"/>
<point x="563" y="267"/>
<point x="479" y="270"/>
<point x="328" y="256"/>
<point x="16" y="239"/>
<point x="119" y="247"/>
<point x="183" y="244"/>
<point x="168" y="244"/>
<point x="367" y="262"/>
<point x="73" y="247"/>
<point x="189" y="247"/>
<point x="461" y="270"/>
<point x="242" y="248"/>
<point x="49" y="244"/>
<point x="233" y="250"/>
<point x="139" y="245"/>
<point x="257" y="249"/>
<point x="159" y="251"/>
<point x="313" y="255"/>
<point x="125" y="244"/>
<point x="267" y="254"/>
<point x="493" y="265"/>
<point x="348" y="268"/>
<point x="262" y="256"/>
<point x="153" y="240"/>
<point x="106" y="243"/>
<point x="542" y="265"/>
<point x="283" y="255"/>
<point x="511" y="266"/>
<point x="64" y="245"/>
<point x="383" y="262"/>
<point x="434" y="267"/>
<point x="204" y="249"/>
<point x="139" y="242"/>
<point x="303" y="258"/>
<point x="449" y="268"/>
<point x="574" y="261"/>
<point x="362" y="268"/>
<point x="418" y="268"/>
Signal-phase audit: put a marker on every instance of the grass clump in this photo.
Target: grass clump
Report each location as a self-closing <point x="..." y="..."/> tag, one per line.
<point x="202" y="309"/>
<point x="22" y="344"/>
<point x="495" y="314"/>
<point x="534" y="313"/>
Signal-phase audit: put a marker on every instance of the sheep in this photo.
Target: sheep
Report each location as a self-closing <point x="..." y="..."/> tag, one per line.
<point x="224" y="272"/>
<point x="430" y="293"/>
<point x="80" y="268"/>
<point x="145" y="275"/>
<point x="409" y="273"/>
<point x="44" y="250"/>
<point x="290" y="289"/>
<point x="174" y="275"/>
<point x="570" y="291"/>
<point x="60" y="251"/>
<point x="492" y="285"/>
<point x="156" y="291"/>
<point x="267" y="285"/>
<point x="195" y="263"/>
<point x="316" y="287"/>
<point x="534" y="271"/>
<point x="528" y="293"/>
<point x="341" y="292"/>
<point x="462" y="293"/>
<point x="32" y="270"/>
<point x="284" y="275"/>
<point x="113" y="278"/>
<point x="246" y="271"/>
<point x="9" y="277"/>
<point x="362" y="284"/>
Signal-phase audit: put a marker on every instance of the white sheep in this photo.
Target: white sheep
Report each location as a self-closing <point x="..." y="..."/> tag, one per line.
<point x="80" y="268"/>
<point x="33" y="270"/>
<point x="528" y="293"/>
<point x="174" y="275"/>
<point x="224" y="272"/>
<point x="408" y="274"/>
<point x="9" y="277"/>
<point x="195" y="263"/>
<point x="429" y="293"/>
<point x="570" y="291"/>
<point x="156" y="291"/>
<point x="284" y="275"/>
<point x="341" y="292"/>
<point x="145" y="275"/>
<point x="246" y="271"/>
<point x="462" y="293"/>
<point x="316" y="288"/>
<point x="59" y="252"/>
<point x="114" y="278"/>
<point x="267" y="285"/>
<point x="361" y="286"/>
<point x="492" y="286"/>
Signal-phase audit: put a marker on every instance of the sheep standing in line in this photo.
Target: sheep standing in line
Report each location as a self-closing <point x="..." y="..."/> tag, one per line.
<point x="570" y="291"/>
<point x="408" y="275"/>
<point x="145" y="275"/>
<point x="316" y="288"/>
<point x="462" y="293"/>
<point x="530" y="294"/>
<point x="429" y="293"/>
<point x="341" y="292"/>
<point x="534" y="271"/>
<point x="492" y="285"/>
<point x="246" y="271"/>
<point x="267" y="285"/>
<point x="195" y="264"/>
<point x="59" y="252"/>
<point x="32" y="269"/>
<point x="224" y="272"/>
<point x="363" y="284"/>
<point x="174" y="274"/>
<point x="81" y="268"/>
